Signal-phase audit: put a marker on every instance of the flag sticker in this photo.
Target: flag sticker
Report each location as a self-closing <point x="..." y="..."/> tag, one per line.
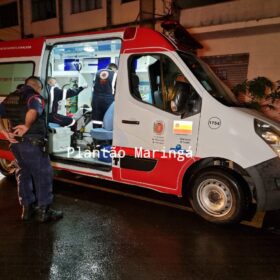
<point x="182" y="127"/>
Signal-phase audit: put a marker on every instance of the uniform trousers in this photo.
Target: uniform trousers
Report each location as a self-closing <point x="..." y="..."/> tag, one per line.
<point x="34" y="174"/>
<point x="100" y="104"/>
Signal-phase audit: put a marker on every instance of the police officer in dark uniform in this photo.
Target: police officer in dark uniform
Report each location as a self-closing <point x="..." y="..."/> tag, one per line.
<point x="103" y="92"/>
<point x="24" y="110"/>
<point x="56" y="95"/>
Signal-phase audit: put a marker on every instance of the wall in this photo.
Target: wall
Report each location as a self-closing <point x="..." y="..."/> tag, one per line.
<point x="38" y="28"/>
<point x="233" y="11"/>
<point x="10" y="33"/>
<point x="83" y="21"/>
<point x="242" y="29"/>
<point x="124" y="13"/>
<point x="264" y="56"/>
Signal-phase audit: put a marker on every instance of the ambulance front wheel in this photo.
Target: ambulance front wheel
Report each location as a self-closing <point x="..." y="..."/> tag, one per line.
<point x="217" y="197"/>
<point x="7" y="168"/>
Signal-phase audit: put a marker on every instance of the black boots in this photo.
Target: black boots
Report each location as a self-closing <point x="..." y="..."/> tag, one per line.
<point x="28" y="212"/>
<point x="43" y="213"/>
<point x="46" y="214"/>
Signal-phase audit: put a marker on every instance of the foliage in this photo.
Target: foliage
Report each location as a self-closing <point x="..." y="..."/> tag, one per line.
<point x="240" y="88"/>
<point x="258" y="86"/>
<point x="260" y="94"/>
<point x="275" y="95"/>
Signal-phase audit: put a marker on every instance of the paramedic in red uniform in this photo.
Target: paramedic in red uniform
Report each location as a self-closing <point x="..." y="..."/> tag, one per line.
<point x="103" y="92"/>
<point x="24" y="110"/>
<point x="56" y="95"/>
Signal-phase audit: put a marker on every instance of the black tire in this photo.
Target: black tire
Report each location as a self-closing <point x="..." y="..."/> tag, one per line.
<point x="218" y="197"/>
<point x="7" y="168"/>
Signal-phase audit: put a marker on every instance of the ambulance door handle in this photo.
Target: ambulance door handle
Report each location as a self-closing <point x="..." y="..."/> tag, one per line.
<point x="130" y="122"/>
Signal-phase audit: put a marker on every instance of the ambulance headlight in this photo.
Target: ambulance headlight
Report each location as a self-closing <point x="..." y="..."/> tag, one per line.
<point x="270" y="137"/>
<point x="269" y="134"/>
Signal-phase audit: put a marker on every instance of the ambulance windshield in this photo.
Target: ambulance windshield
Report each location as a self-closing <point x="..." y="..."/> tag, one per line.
<point x="209" y="80"/>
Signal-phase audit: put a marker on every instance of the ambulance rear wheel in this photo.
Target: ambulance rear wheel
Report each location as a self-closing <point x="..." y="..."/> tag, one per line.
<point x="217" y="197"/>
<point x="7" y="168"/>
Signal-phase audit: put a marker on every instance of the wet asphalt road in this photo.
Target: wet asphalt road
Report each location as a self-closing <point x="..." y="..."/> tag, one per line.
<point x="108" y="236"/>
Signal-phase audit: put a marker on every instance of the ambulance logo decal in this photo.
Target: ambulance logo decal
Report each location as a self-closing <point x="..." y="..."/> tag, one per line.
<point x="104" y="75"/>
<point x="183" y="127"/>
<point x="159" y="127"/>
<point x="214" y="123"/>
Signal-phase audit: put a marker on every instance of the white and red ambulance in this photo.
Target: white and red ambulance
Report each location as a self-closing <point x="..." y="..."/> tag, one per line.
<point x="174" y="126"/>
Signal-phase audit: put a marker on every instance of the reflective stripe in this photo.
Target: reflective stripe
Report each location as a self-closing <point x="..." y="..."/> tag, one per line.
<point x="72" y="123"/>
<point x="97" y="122"/>
<point x="64" y="94"/>
<point x="51" y="99"/>
<point x="114" y="83"/>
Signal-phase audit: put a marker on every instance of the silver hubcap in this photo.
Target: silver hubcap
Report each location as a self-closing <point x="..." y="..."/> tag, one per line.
<point x="214" y="197"/>
<point x="5" y="164"/>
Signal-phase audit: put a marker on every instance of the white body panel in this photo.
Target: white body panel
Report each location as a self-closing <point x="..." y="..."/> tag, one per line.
<point x="235" y="139"/>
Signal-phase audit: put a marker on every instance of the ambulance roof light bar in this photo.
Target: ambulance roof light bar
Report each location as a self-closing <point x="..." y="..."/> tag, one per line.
<point x="129" y="33"/>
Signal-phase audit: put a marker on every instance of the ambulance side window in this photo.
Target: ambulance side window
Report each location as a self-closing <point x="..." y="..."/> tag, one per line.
<point x="145" y="79"/>
<point x="13" y="74"/>
<point x="155" y="79"/>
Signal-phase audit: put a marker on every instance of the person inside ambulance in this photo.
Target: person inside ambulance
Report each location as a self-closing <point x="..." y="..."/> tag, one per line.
<point x="103" y="92"/>
<point x="183" y="97"/>
<point x="56" y="95"/>
<point x="134" y="82"/>
<point x="135" y="86"/>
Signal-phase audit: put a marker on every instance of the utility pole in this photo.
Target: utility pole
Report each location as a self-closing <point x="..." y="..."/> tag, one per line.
<point x="109" y="13"/>
<point x="60" y="17"/>
<point x="147" y="13"/>
<point x="21" y="19"/>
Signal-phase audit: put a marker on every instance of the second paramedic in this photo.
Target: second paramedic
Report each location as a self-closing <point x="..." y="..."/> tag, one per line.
<point x="56" y="95"/>
<point x="103" y="92"/>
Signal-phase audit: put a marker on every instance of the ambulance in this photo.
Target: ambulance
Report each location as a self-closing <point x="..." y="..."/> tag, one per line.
<point x="173" y="127"/>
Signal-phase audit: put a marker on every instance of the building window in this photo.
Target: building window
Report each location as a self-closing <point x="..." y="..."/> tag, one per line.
<point x="156" y="80"/>
<point x="232" y="69"/>
<point x="126" y="1"/>
<point x="43" y="9"/>
<point x="183" y="4"/>
<point x="12" y="12"/>
<point x="79" y="6"/>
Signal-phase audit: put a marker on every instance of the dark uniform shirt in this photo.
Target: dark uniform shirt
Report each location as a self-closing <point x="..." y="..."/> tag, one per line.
<point x="16" y="105"/>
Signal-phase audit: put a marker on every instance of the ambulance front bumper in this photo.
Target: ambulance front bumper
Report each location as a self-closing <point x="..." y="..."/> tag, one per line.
<point x="266" y="178"/>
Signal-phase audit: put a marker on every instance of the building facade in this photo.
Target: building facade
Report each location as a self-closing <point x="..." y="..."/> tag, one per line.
<point x="240" y="37"/>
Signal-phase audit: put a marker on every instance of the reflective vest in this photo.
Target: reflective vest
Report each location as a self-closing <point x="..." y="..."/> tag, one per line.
<point x="16" y="107"/>
<point x="105" y="82"/>
<point x="56" y="103"/>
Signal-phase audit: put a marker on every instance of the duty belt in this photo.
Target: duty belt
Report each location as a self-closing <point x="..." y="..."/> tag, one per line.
<point x="32" y="141"/>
